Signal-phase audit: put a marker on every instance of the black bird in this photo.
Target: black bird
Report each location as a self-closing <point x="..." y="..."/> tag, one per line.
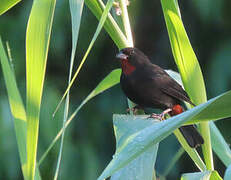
<point x="149" y="86"/>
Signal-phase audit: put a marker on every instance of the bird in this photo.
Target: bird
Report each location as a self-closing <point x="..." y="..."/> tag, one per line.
<point x="149" y="86"/>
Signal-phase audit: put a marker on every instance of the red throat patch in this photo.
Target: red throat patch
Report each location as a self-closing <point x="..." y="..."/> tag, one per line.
<point x="176" y="109"/>
<point x="127" y="68"/>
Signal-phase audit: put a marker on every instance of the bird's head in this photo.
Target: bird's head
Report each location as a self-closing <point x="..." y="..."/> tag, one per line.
<point x="131" y="59"/>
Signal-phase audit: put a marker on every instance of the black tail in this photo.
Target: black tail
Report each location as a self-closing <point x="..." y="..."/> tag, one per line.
<point x="192" y="136"/>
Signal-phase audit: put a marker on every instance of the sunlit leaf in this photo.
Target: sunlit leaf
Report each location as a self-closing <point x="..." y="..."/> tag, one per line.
<point x="37" y="43"/>
<point x="17" y="109"/>
<point x="7" y="4"/>
<point x="189" y="68"/>
<point x="110" y="25"/>
<point x="183" y="53"/>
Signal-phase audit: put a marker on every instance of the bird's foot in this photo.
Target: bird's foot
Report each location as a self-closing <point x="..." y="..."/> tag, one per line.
<point x="156" y="116"/>
<point x="134" y="109"/>
<point x="160" y="116"/>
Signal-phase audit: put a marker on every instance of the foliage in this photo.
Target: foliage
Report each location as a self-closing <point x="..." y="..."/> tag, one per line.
<point x="137" y="139"/>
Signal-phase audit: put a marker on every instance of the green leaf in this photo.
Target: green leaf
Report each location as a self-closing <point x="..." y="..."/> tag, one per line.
<point x="191" y="151"/>
<point x="17" y="109"/>
<point x="143" y="139"/>
<point x="219" y="109"/>
<point x="141" y="167"/>
<point x="110" y="25"/>
<point x="183" y="53"/>
<point x="76" y="7"/>
<point x="189" y="68"/>
<point x="220" y="147"/>
<point x="37" y="43"/>
<point x="7" y="4"/>
<point x="228" y="173"/>
<point x="109" y="81"/>
<point x="206" y="175"/>
<point x="98" y="30"/>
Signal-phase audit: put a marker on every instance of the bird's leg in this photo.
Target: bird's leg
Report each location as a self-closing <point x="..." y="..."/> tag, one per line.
<point x="134" y="109"/>
<point x="160" y="116"/>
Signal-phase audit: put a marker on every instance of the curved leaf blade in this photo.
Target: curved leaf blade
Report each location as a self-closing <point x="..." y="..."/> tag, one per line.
<point x="183" y="53"/>
<point x="17" y="109"/>
<point x="109" y="81"/>
<point x="219" y="145"/>
<point x="96" y="34"/>
<point x="153" y="134"/>
<point x="76" y="7"/>
<point x="189" y="68"/>
<point x="37" y="43"/>
<point x="7" y="4"/>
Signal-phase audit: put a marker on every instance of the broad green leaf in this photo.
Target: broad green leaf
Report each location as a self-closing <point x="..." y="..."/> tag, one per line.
<point x="213" y="112"/>
<point x="37" y="43"/>
<point x="189" y="68"/>
<point x="17" y="109"/>
<point x="109" y="81"/>
<point x="220" y="146"/>
<point x="76" y="7"/>
<point x="228" y="173"/>
<point x="110" y="25"/>
<point x="96" y="34"/>
<point x="206" y="175"/>
<point x="219" y="109"/>
<point x="141" y="167"/>
<point x="142" y="140"/>
<point x="7" y="4"/>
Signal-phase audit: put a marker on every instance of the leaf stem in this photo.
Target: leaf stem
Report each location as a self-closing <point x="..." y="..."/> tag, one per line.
<point x="206" y="147"/>
<point x="126" y="22"/>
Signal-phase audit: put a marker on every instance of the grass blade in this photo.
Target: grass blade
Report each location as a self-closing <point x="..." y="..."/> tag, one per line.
<point x="98" y="30"/>
<point x="76" y="7"/>
<point x="110" y="25"/>
<point x="7" y="4"/>
<point x="17" y="109"/>
<point x="108" y="82"/>
<point x="220" y="146"/>
<point x="37" y="43"/>
<point x="189" y="68"/>
<point x="191" y="151"/>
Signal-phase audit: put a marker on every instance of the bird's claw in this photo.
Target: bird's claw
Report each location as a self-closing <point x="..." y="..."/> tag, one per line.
<point x="157" y="116"/>
<point x="160" y="116"/>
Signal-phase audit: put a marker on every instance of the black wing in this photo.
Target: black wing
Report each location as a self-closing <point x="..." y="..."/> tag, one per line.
<point x="169" y="86"/>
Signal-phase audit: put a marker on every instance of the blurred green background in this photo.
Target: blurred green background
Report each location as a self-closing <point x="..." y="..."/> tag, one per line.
<point x="89" y="141"/>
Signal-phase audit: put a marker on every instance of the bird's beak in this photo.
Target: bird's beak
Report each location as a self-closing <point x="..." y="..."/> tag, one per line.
<point x="121" y="56"/>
